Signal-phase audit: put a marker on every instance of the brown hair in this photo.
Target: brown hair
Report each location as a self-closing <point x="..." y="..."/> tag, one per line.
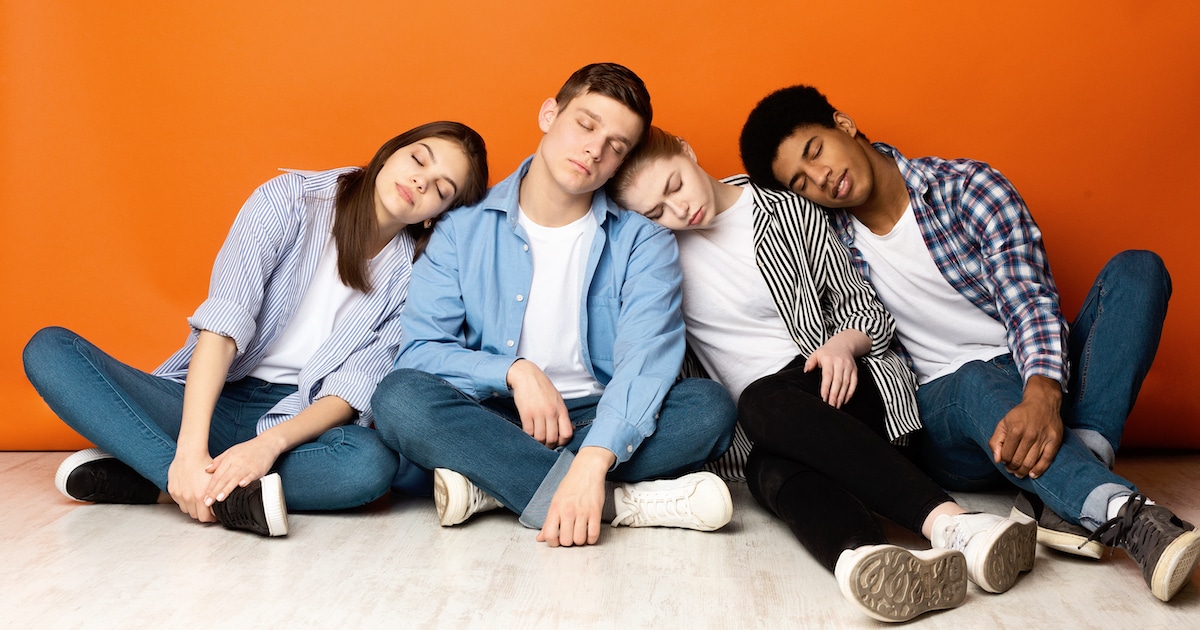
<point x="658" y="144"/>
<point x="614" y="81"/>
<point x="354" y="222"/>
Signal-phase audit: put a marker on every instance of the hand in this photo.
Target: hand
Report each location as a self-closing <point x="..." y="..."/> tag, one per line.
<point x="839" y="371"/>
<point x="1030" y="434"/>
<point x="238" y="466"/>
<point x="574" y="517"/>
<point x="543" y="413"/>
<point x="186" y="483"/>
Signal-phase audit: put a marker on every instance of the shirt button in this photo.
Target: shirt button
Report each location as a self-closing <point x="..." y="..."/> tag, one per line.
<point x="520" y="298"/>
<point x="629" y="448"/>
<point x="525" y="247"/>
<point x="656" y="416"/>
<point x="510" y="343"/>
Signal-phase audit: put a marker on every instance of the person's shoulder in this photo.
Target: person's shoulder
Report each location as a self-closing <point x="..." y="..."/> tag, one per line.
<point x="309" y="181"/>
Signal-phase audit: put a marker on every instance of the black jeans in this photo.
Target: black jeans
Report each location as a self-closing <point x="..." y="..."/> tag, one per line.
<point x="826" y="472"/>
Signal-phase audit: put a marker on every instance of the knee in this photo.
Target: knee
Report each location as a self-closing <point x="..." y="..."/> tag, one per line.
<point x="367" y="465"/>
<point x="1140" y="269"/>
<point x="41" y="353"/>
<point x="401" y="394"/>
<point x="710" y="407"/>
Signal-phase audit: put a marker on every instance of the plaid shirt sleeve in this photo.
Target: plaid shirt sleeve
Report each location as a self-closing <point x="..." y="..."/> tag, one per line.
<point x="1015" y="272"/>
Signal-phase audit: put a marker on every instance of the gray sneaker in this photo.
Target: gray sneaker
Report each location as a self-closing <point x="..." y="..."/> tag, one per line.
<point x="1166" y="548"/>
<point x="1054" y="531"/>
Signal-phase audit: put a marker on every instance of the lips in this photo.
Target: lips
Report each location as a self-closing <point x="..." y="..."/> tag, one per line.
<point x="695" y="220"/>
<point x="842" y="186"/>
<point x="404" y="193"/>
<point x="581" y="166"/>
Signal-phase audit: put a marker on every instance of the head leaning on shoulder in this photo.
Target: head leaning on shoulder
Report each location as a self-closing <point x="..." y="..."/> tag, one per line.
<point x="795" y="140"/>
<point x="663" y="181"/>
<point x="597" y="118"/>
<point x="412" y="179"/>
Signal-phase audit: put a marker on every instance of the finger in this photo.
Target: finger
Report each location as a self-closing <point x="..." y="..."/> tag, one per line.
<point x="851" y="384"/>
<point x="539" y="428"/>
<point x="1049" y="452"/>
<point x="550" y="425"/>
<point x="811" y="363"/>
<point x="1023" y="457"/>
<point x="526" y="424"/>
<point x="593" y="529"/>
<point x="566" y="430"/>
<point x="581" y="530"/>
<point x="996" y="443"/>
<point x="550" y="530"/>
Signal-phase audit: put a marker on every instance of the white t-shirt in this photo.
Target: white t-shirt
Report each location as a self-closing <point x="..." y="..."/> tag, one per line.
<point x="550" y="330"/>
<point x="941" y="329"/>
<point x="325" y="302"/>
<point x="733" y="325"/>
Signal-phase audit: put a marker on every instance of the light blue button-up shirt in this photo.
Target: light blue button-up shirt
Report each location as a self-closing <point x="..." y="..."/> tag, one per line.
<point x="466" y="306"/>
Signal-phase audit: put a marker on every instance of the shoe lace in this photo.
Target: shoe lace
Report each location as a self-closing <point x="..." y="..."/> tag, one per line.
<point x="959" y="537"/>
<point x="1123" y="529"/>
<point x="479" y="500"/>
<point x="235" y="510"/>
<point x="639" y="509"/>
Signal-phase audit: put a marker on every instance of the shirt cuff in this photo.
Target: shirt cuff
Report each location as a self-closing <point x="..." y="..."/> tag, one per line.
<point x="225" y="318"/>
<point x="619" y="437"/>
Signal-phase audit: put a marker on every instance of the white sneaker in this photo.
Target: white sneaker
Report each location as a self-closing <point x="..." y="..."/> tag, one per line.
<point x="456" y="498"/>
<point x="998" y="549"/>
<point x="890" y="583"/>
<point x="698" y="501"/>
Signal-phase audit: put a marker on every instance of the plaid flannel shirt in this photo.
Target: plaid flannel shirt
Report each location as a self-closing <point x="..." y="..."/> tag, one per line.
<point x="983" y="239"/>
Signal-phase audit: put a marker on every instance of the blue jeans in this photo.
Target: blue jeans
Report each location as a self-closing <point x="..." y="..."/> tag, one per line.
<point x="136" y="416"/>
<point x="432" y="423"/>
<point x="1111" y="346"/>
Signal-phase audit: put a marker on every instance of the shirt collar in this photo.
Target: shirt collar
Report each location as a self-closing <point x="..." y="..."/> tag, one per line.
<point x="506" y="197"/>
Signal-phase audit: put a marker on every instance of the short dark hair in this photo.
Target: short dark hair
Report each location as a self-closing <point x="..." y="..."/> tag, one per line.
<point x="614" y="81"/>
<point x="772" y="121"/>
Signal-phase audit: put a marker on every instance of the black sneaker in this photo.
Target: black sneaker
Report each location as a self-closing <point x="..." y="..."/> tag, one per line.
<point x="1165" y="547"/>
<point x="1054" y="531"/>
<point x="97" y="477"/>
<point x="259" y="507"/>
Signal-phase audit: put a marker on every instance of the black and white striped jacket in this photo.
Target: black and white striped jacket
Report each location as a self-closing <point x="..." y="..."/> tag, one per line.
<point x="819" y="294"/>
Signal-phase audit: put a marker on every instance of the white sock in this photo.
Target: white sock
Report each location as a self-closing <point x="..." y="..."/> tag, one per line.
<point x="1116" y="503"/>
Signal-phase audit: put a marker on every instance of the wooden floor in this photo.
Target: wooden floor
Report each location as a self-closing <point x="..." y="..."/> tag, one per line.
<point x="66" y="564"/>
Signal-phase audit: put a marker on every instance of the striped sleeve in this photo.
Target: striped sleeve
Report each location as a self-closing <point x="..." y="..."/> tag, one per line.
<point x="246" y="261"/>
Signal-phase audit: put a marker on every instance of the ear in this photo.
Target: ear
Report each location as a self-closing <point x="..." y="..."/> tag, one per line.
<point x="547" y="114"/>
<point x="844" y="123"/>
<point x="687" y="150"/>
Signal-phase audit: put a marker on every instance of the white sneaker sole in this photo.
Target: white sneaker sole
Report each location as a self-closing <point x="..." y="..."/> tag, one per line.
<point x="890" y="583"/>
<point x="71" y="463"/>
<point x="273" y="505"/>
<point x="1010" y="549"/>
<point x="1170" y="576"/>
<point x="1062" y="541"/>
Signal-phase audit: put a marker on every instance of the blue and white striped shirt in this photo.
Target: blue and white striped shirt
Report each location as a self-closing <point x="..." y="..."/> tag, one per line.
<point x="262" y="272"/>
<point x="985" y="242"/>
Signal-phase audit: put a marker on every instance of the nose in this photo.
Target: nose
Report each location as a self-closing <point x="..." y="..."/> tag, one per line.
<point x="818" y="175"/>
<point x="595" y="150"/>
<point x="419" y="180"/>
<point x="679" y="207"/>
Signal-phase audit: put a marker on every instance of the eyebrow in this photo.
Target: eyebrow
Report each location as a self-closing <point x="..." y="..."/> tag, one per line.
<point x="433" y="158"/>
<point x="597" y="118"/>
<point x="803" y="155"/>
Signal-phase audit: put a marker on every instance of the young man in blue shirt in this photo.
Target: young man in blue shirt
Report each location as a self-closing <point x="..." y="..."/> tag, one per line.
<point x="542" y="340"/>
<point x="1007" y="391"/>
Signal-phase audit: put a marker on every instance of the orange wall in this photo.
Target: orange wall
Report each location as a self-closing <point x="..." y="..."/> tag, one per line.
<point x="132" y="131"/>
